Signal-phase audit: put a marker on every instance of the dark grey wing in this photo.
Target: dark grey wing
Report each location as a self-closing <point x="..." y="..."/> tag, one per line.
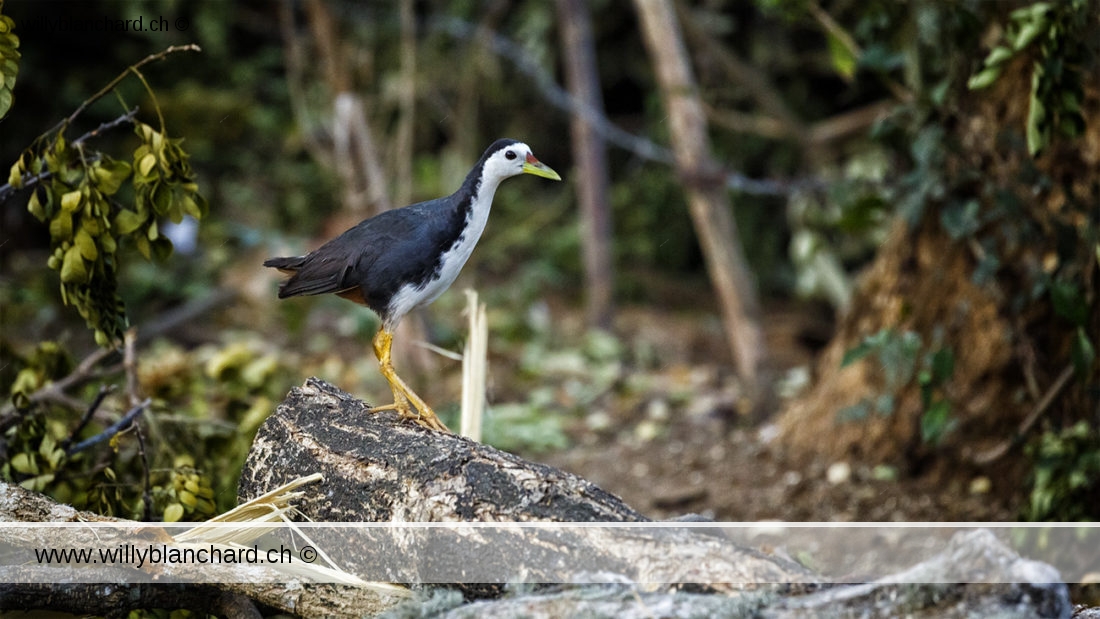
<point x="378" y="256"/>
<point x="335" y="266"/>
<point x="413" y="249"/>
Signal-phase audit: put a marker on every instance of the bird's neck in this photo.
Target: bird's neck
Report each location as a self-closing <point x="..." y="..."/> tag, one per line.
<point x="476" y="198"/>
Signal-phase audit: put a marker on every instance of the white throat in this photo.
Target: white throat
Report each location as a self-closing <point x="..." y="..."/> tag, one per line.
<point x="408" y="297"/>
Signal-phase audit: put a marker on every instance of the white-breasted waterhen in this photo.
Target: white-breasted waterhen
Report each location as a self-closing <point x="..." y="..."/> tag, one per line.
<point x="405" y="258"/>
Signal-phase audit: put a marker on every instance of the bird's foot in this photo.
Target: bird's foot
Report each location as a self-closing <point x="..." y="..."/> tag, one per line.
<point x="421" y="414"/>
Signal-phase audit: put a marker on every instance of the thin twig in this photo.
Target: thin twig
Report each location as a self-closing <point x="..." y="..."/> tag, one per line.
<point x="118" y="79"/>
<point x="87" y="369"/>
<point x="841" y="36"/>
<point x="147" y="486"/>
<point x="30" y="179"/>
<point x="88" y="414"/>
<point x="994" y="454"/>
<point x="63" y="124"/>
<point x="112" y="430"/>
<point x="84" y="372"/>
<point x="129" y="364"/>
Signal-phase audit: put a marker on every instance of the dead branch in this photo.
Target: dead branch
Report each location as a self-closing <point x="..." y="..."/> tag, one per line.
<point x="994" y="454"/>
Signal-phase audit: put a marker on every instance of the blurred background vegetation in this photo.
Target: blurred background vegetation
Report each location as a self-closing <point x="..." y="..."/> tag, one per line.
<point x="851" y="111"/>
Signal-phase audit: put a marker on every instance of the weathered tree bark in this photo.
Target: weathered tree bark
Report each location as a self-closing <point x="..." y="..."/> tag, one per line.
<point x="707" y="196"/>
<point x="590" y="157"/>
<point x="378" y="469"/>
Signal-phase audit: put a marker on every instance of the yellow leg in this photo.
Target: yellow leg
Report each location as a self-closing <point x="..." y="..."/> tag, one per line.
<point x="403" y="396"/>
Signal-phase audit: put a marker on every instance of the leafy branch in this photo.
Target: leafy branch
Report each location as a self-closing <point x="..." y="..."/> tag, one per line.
<point x="9" y="61"/>
<point x="902" y="358"/>
<point x="76" y="192"/>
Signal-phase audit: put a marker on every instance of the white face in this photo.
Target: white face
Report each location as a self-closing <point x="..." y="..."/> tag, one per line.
<point x="508" y="161"/>
<point x="516" y="159"/>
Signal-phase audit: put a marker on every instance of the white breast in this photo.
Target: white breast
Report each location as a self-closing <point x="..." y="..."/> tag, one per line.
<point x="409" y="296"/>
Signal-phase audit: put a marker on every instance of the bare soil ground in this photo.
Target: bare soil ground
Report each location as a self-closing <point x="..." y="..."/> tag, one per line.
<point x="702" y="467"/>
<point x="667" y="461"/>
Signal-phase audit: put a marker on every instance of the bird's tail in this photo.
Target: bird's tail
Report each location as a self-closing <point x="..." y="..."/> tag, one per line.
<point x="289" y="265"/>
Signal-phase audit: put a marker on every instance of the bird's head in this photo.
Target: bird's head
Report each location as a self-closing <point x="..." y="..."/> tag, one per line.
<point x="506" y="158"/>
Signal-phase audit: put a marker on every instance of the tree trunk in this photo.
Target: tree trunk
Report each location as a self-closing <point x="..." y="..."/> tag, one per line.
<point x="379" y="469"/>
<point x="707" y="196"/>
<point x="355" y="156"/>
<point x="590" y="157"/>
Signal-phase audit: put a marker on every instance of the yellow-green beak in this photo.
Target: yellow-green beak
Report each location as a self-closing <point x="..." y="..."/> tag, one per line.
<point x="538" y="168"/>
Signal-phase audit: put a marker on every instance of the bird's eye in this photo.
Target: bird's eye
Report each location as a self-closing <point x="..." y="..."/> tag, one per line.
<point x="509" y="154"/>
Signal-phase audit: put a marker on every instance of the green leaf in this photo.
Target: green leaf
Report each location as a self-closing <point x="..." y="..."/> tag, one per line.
<point x="85" y="244"/>
<point x="61" y="228"/>
<point x="1037" y="129"/>
<point x="108" y="244"/>
<point x="1071" y="100"/>
<point x="998" y="55"/>
<point x="24" y="463"/>
<point x="173" y="513"/>
<point x="40" y="203"/>
<point x="71" y="201"/>
<point x="127" y="221"/>
<point x="1071" y="124"/>
<point x="143" y="247"/>
<point x="256" y="372"/>
<point x="1083" y="354"/>
<point x="146" y="164"/>
<point x="859" y="351"/>
<point x="1029" y="31"/>
<point x="162" y="248"/>
<point x="943" y="365"/>
<point x="1069" y="302"/>
<point x="844" y="61"/>
<point x="190" y="207"/>
<point x="1027" y="12"/>
<point x="15" y="175"/>
<point x="37" y="483"/>
<point x="960" y="220"/>
<point x="936" y="422"/>
<point x="162" y="198"/>
<point x="984" y="78"/>
<point x="72" y="268"/>
<point x="47" y="446"/>
<point x="110" y="175"/>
